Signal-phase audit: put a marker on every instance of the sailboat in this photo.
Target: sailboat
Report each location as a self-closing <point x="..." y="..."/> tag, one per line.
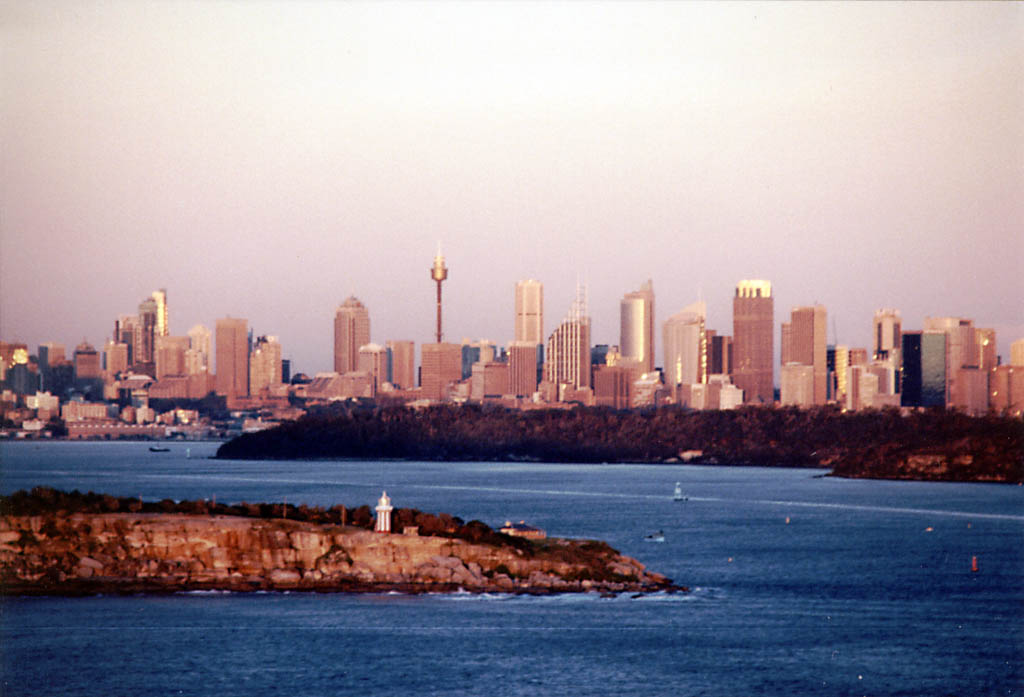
<point x="677" y="495"/>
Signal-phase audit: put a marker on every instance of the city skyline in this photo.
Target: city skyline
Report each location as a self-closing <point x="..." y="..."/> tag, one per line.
<point x="858" y="157"/>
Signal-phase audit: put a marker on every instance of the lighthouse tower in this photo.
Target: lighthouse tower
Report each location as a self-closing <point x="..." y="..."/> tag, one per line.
<point x="384" y="509"/>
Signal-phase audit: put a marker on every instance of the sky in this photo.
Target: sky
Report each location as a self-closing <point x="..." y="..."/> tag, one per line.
<point x="266" y="160"/>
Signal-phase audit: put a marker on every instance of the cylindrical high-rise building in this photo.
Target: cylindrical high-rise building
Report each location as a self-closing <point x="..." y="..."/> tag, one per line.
<point x="636" y="337"/>
<point x="351" y="330"/>
<point x="752" y="334"/>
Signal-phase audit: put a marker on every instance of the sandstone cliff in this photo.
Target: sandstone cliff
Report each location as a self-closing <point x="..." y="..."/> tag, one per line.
<point x="77" y="553"/>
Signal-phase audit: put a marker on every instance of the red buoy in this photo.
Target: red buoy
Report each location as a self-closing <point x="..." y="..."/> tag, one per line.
<point x="974" y="564"/>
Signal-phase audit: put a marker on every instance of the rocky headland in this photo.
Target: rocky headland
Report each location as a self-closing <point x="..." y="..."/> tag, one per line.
<point x="74" y="552"/>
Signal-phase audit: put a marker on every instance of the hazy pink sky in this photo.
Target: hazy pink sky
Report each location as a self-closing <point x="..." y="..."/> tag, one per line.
<point x="268" y="159"/>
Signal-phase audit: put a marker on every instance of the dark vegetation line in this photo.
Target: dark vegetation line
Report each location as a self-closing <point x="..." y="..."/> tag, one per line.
<point x="41" y="501"/>
<point x="868" y="443"/>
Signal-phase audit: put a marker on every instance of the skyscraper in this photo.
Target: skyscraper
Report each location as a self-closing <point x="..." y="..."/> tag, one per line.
<point x="719" y="353"/>
<point x="402" y="364"/>
<point x="440" y="366"/>
<point x="567" y="359"/>
<point x="636" y="336"/>
<point x="126" y="332"/>
<point x="684" y="341"/>
<point x="351" y="330"/>
<point x="264" y="364"/>
<point x="923" y="378"/>
<point x="373" y="360"/>
<point x="160" y="298"/>
<point x="1017" y="353"/>
<point x="170" y="355"/>
<point x="529" y="311"/>
<point x="87" y="361"/>
<point x="197" y="358"/>
<point x="886" y="334"/>
<point x="804" y="344"/>
<point x="752" y="330"/>
<point x="961" y="350"/>
<point x="232" y="339"/>
<point x="116" y="358"/>
<point x="522" y="366"/>
<point x="145" y="345"/>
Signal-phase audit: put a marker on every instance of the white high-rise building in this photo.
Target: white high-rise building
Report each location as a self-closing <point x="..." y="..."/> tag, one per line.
<point x="685" y="346"/>
<point x="636" y="338"/>
<point x="567" y="360"/>
<point x="529" y="311"/>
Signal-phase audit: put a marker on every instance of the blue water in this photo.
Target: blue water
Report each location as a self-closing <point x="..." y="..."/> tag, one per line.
<point x="867" y="590"/>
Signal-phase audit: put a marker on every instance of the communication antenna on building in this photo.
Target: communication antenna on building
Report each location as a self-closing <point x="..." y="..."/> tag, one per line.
<point x="835" y="332"/>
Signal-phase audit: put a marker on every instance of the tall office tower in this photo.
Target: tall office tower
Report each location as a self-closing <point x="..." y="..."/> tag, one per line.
<point x="985" y="341"/>
<point x="522" y="366"/>
<point x="686" y="346"/>
<point x="803" y="343"/>
<point x="752" y="340"/>
<point x="87" y="362"/>
<point x="145" y="347"/>
<point x="482" y="351"/>
<point x="886" y="332"/>
<point x="232" y="346"/>
<point x="568" y="349"/>
<point x="439" y="272"/>
<point x="50" y="353"/>
<point x="719" y="354"/>
<point x="351" y="330"/>
<point x="373" y="360"/>
<point x="529" y="311"/>
<point x="837" y="359"/>
<point x="160" y="298"/>
<point x="264" y="364"/>
<point x="1017" y="353"/>
<point x="923" y="380"/>
<point x="636" y="334"/>
<point x="1006" y="388"/>
<point x="797" y="385"/>
<point x="170" y="355"/>
<point x="126" y="332"/>
<point x="402" y="362"/>
<point x="440" y="366"/>
<point x="197" y="359"/>
<point x="960" y="348"/>
<point x="116" y="358"/>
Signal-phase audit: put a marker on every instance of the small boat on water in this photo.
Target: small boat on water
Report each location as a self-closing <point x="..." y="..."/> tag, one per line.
<point x="158" y="449"/>
<point x="677" y="495"/>
<point x="655" y="537"/>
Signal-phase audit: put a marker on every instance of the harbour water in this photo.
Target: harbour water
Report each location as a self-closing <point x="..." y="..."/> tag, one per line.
<point x="800" y="584"/>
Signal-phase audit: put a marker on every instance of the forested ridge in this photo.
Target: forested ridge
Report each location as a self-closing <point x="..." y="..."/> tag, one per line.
<point x="933" y="444"/>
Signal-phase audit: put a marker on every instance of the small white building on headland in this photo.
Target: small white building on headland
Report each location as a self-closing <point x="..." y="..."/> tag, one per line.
<point x="383" y="509"/>
<point x="521" y="529"/>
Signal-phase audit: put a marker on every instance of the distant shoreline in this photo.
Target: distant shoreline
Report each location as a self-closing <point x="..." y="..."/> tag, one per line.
<point x="925" y="446"/>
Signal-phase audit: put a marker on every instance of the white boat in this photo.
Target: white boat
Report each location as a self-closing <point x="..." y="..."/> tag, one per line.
<point x="678" y="494"/>
<point x="655" y="537"/>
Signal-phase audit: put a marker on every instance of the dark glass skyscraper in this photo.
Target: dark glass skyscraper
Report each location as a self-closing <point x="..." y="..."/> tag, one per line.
<point x="923" y="378"/>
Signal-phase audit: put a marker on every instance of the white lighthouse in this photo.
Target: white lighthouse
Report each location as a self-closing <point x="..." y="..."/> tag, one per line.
<point x="384" y="509"/>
